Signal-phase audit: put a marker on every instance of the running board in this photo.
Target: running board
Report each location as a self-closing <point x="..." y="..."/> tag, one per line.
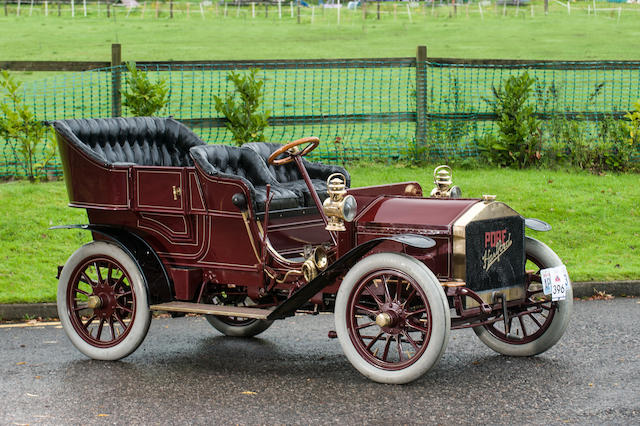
<point x="203" y="308"/>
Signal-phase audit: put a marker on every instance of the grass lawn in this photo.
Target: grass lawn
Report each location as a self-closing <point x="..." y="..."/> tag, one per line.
<point x="556" y="36"/>
<point x="595" y="220"/>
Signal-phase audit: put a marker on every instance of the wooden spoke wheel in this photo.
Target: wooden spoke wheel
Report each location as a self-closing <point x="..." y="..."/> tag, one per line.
<point x="538" y="323"/>
<point x="392" y="318"/>
<point x="236" y="326"/>
<point x="102" y="301"/>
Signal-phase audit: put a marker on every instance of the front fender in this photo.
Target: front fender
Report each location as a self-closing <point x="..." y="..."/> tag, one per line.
<point x="329" y="275"/>
<point x="153" y="271"/>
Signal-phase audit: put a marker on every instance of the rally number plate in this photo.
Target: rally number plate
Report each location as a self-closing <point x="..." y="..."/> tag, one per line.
<point x="555" y="282"/>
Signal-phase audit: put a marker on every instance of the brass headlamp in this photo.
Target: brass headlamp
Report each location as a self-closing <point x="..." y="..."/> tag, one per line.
<point x="339" y="206"/>
<point x="444" y="183"/>
<point x="316" y="261"/>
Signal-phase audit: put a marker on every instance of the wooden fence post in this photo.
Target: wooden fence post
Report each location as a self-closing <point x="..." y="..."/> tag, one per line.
<point x="421" y="97"/>
<point x="171" y="9"/>
<point x="116" y="80"/>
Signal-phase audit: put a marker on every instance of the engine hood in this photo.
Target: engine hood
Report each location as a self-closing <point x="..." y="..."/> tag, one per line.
<point x="413" y="212"/>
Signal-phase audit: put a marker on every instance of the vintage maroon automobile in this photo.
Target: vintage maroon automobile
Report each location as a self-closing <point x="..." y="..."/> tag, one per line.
<point x="247" y="235"/>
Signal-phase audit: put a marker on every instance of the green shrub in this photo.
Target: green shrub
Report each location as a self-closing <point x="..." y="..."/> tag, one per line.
<point x="26" y="136"/>
<point x="243" y="119"/>
<point x="598" y="147"/>
<point x="143" y="97"/>
<point x="517" y="143"/>
<point x="633" y="127"/>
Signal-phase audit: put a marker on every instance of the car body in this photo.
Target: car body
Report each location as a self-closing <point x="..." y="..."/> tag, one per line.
<point x="247" y="235"/>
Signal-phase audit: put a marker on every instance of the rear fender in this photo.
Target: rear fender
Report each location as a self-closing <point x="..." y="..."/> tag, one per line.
<point x="329" y="275"/>
<point x="153" y="271"/>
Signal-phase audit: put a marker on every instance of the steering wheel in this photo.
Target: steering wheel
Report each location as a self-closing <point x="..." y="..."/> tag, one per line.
<point x="291" y="149"/>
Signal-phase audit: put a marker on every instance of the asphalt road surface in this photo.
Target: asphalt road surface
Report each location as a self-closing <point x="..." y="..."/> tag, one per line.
<point x="186" y="372"/>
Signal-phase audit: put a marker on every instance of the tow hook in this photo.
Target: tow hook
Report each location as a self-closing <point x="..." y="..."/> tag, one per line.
<point x="505" y="316"/>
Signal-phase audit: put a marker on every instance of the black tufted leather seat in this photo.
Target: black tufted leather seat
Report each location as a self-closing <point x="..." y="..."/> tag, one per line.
<point x="145" y="141"/>
<point x="289" y="176"/>
<point x="244" y="164"/>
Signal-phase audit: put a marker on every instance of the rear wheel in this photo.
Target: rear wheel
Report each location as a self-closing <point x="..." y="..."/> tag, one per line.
<point x="392" y="318"/>
<point x="102" y="301"/>
<point x="236" y="326"/>
<point x="539" y="323"/>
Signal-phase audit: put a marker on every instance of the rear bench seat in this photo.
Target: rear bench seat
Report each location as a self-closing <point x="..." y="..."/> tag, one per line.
<point x="144" y="141"/>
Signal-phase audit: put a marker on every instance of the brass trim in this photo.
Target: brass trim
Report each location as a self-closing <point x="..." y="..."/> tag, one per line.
<point x="273" y="251"/>
<point x="253" y="244"/>
<point x="479" y="211"/>
<point x="383" y="319"/>
<point x="292" y="271"/>
<point x="453" y="283"/>
<point x="177" y="192"/>
<point x="94" y="302"/>
<point x="443" y="181"/>
<point x="202" y="308"/>
<point x="488" y="296"/>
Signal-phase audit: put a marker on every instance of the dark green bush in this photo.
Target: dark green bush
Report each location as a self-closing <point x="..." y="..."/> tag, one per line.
<point x="517" y="143"/>
<point x="144" y="97"/>
<point x="243" y="119"/>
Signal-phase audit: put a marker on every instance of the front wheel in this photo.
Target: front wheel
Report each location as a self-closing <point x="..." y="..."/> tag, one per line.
<point x="102" y="301"/>
<point x="392" y="318"/>
<point x="538" y="323"/>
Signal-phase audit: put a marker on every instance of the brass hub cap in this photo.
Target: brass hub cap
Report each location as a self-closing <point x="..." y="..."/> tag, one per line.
<point x="383" y="319"/>
<point x="94" y="302"/>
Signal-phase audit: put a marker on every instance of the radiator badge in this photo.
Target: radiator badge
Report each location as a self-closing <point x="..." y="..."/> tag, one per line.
<point x="496" y="243"/>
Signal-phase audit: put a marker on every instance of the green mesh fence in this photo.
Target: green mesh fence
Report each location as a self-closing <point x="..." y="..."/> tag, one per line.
<point x="591" y="93"/>
<point x="360" y="109"/>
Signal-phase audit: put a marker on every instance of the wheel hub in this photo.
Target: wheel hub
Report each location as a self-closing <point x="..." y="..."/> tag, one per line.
<point x="383" y="319"/>
<point x="105" y="300"/>
<point x="94" y="302"/>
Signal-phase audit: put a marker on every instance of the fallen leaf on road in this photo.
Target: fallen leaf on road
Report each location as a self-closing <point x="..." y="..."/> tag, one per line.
<point x="103" y="415"/>
<point x="249" y="393"/>
<point x="20" y="363"/>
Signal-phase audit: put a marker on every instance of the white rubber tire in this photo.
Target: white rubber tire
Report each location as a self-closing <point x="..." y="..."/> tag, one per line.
<point x="249" y="330"/>
<point x="140" y="323"/>
<point x="441" y="320"/>
<point x="559" y="322"/>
